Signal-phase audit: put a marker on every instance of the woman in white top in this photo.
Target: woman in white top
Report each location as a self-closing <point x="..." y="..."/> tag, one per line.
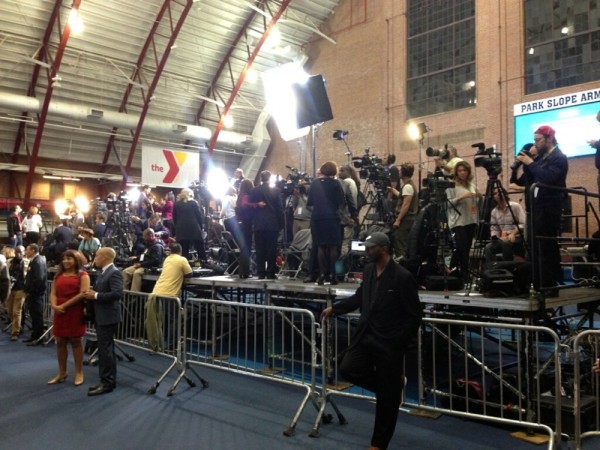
<point x="32" y="223"/>
<point x="462" y="215"/>
<point x="227" y="214"/>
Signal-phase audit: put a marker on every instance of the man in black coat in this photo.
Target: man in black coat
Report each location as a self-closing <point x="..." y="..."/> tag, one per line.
<point x="390" y="316"/>
<point x="268" y="221"/>
<point x="550" y="168"/>
<point x="35" y="288"/>
<point x="106" y="298"/>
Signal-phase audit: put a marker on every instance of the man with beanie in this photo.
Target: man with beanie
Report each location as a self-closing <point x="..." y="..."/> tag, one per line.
<point x="390" y="316"/>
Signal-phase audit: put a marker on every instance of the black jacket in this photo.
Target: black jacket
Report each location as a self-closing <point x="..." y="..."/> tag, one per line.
<point x="269" y="217"/>
<point x="391" y="314"/>
<point x="36" y="277"/>
<point x="13" y="226"/>
<point x="188" y="219"/>
<point x="153" y="256"/>
<point x="551" y="170"/>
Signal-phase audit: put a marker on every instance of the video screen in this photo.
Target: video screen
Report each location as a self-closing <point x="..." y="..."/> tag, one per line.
<point x="575" y="125"/>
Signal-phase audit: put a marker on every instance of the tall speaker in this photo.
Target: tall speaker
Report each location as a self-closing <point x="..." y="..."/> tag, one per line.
<point x="312" y="102"/>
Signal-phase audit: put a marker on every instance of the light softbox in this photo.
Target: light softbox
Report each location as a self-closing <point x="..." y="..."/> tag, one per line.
<point x="312" y="103"/>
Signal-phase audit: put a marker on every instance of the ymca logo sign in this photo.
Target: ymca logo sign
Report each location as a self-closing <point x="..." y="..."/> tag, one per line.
<point x="165" y="167"/>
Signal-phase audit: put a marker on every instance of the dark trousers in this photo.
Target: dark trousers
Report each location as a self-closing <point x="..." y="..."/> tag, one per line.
<point x="35" y="307"/>
<point x="380" y="371"/>
<point x="463" y="239"/>
<point x="243" y="238"/>
<point x="197" y="244"/>
<point x="546" y="254"/>
<point x="266" y="252"/>
<point x="107" y="364"/>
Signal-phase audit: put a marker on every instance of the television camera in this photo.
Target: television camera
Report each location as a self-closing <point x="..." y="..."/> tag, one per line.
<point x="294" y="180"/>
<point x="435" y="185"/>
<point x="488" y="158"/>
<point x="372" y="169"/>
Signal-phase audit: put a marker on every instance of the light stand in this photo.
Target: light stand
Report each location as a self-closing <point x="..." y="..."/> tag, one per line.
<point x="340" y="135"/>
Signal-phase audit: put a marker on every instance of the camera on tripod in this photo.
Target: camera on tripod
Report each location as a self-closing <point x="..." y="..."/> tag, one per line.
<point x="488" y="158"/>
<point x="436" y="183"/>
<point x="372" y="169"/>
<point x="295" y="180"/>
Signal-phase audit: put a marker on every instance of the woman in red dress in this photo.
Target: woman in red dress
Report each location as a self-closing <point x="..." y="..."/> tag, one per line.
<point x="68" y="325"/>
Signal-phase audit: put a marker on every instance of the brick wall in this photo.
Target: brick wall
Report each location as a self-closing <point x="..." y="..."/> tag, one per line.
<point x="366" y="82"/>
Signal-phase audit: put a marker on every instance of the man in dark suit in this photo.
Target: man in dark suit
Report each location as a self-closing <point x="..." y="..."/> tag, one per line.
<point x="268" y="221"/>
<point x="390" y="316"/>
<point x="35" y="288"/>
<point x="106" y="297"/>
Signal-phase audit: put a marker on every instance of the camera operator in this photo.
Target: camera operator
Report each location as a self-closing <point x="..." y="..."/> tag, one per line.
<point x="349" y="213"/>
<point x="406" y="210"/>
<point x="462" y="215"/>
<point x="301" y="212"/>
<point x="446" y="162"/>
<point x="505" y="233"/>
<point x="550" y="167"/>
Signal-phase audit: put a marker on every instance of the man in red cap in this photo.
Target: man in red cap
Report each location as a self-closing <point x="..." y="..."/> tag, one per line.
<point x="549" y="168"/>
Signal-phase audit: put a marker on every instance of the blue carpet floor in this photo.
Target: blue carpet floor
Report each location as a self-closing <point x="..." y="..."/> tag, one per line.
<point x="234" y="412"/>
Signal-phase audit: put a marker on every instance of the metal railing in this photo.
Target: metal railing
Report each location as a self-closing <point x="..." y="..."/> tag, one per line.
<point x="586" y="393"/>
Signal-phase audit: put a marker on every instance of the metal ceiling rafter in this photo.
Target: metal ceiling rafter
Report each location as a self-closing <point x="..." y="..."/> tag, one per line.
<point x="226" y="62"/>
<point x="135" y="76"/>
<point x="41" y="57"/>
<point x="52" y="72"/>
<point x="242" y="78"/>
<point x="159" y="69"/>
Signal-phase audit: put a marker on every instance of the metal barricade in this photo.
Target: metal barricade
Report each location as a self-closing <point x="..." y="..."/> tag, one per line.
<point x="275" y="343"/>
<point x="500" y="372"/>
<point x="506" y="373"/>
<point x="586" y="390"/>
<point x="154" y="324"/>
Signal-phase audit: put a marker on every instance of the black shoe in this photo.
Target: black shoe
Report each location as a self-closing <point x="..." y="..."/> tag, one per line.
<point x="321" y="280"/>
<point x="271" y="277"/>
<point x="310" y="279"/>
<point x="101" y="389"/>
<point x="37" y="342"/>
<point x="260" y="277"/>
<point x="334" y="280"/>
<point x="29" y="340"/>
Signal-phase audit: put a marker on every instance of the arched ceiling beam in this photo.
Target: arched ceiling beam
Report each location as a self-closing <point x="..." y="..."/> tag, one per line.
<point x="159" y="69"/>
<point x="41" y="56"/>
<point x="52" y="73"/>
<point x="226" y="59"/>
<point x="242" y="77"/>
<point x="135" y="77"/>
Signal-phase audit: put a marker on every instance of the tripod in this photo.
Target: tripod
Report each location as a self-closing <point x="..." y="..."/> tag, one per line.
<point x="376" y="200"/>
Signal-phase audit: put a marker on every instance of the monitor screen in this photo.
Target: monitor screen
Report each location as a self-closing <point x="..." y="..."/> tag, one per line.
<point x="573" y="116"/>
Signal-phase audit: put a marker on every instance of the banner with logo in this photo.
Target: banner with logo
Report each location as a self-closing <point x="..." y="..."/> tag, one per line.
<point x="166" y="167"/>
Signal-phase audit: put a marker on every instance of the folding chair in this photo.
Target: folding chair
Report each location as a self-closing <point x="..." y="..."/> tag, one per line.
<point x="296" y="255"/>
<point x="231" y="254"/>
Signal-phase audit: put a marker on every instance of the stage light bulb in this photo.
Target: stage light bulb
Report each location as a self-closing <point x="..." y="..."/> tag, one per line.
<point x="82" y="203"/>
<point x="217" y="183"/>
<point x="413" y="131"/>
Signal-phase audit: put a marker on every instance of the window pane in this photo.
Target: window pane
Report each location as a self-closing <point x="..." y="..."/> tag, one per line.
<point x="441" y="55"/>
<point x="562" y="43"/>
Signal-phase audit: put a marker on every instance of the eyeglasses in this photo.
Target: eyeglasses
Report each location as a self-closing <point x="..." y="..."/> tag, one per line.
<point x="539" y="139"/>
